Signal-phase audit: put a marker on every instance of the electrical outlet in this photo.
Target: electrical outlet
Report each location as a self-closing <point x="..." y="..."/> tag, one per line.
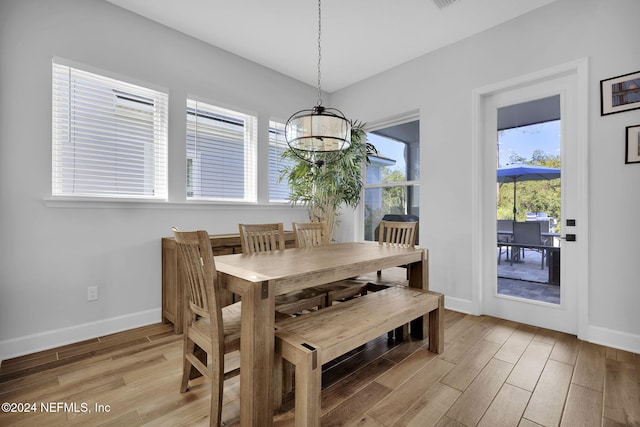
<point x="92" y="293"/>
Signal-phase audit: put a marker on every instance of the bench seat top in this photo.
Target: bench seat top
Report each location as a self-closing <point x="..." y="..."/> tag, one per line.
<point x="342" y="327"/>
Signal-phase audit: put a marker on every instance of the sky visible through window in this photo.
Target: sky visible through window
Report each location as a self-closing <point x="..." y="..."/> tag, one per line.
<point x="390" y="148"/>
<point x="524" y="140"/>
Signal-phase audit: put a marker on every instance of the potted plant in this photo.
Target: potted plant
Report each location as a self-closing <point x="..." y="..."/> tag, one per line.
<point x="329" y="182"/>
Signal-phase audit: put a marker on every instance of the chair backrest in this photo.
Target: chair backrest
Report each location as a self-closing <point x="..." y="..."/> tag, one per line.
<point x="505" y="225"/>
<point x="544" y="225"/>
<point x="200" y="277"/>
<point x="527" y="233"/>
<point x="398" y="233"/>
<point x="308" y="234"/>
<point x="261" y="237"/>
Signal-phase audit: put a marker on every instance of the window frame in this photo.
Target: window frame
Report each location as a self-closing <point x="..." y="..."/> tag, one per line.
<point x="127" y="95"/>
<point x="277" y="127"/>
<point x="214" y="113"/>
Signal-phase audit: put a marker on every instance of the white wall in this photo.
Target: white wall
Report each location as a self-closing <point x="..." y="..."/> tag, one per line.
<point x="440" y="85"/>
<point x="51" y="252"/>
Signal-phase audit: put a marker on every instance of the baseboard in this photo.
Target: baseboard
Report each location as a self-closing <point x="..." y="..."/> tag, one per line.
<point x="594" y="334"/>
<point x="50" y="339"/>
<point x="55" y="338"/>
<point x="614" y="339"/>
<point x="458" y="304"/>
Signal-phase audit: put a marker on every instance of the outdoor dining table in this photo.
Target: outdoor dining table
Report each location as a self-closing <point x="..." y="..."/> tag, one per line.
<point x="553" y="252"/>
<point x="259" y="277"/>
<point x="545" y="235"/>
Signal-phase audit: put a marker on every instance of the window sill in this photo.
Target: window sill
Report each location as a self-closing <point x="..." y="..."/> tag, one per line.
<point x="108" y="203"/>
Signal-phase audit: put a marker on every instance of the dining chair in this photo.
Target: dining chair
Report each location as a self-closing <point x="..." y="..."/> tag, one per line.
<point x="261" y="237"/>
<point x="403" y="234"/>
<point x="310" y="234"/>
<point x="209" y="329"/>
<point x="527" y="233"/>
<point x="397" y="233"/>
<point x="256" y="238"/>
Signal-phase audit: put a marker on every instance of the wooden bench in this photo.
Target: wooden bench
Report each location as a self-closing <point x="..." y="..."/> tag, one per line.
<point x="311" y="340"/>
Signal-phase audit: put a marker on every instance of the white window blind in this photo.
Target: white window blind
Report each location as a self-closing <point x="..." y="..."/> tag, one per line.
<point x="221" y="154"/>
<point x="278" y="191"/>
<point x="109" y="137"/>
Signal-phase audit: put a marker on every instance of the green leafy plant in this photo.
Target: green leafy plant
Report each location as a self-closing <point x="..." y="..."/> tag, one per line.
<point x="331" y="181"/>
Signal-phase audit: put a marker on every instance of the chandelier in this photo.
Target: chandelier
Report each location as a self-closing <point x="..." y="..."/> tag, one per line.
<point x="320" y="134"/>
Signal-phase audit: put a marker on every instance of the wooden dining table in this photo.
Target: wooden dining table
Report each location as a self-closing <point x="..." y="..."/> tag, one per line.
<point x="259" y="277"/>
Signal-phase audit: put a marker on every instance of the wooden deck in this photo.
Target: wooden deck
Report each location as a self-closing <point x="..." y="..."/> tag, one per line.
<point x="492" y="373"/>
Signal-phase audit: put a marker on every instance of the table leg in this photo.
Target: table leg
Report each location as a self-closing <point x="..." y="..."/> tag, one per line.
<point x="256" y="357"/>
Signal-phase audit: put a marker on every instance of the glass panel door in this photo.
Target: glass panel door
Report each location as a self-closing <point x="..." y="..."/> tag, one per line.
<point x="529" y="200"/>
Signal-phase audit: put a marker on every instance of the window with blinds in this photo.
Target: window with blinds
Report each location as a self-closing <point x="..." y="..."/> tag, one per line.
<point x="278" y="191"/>
<point x="221" y="154"/>
<point x="109" y="137"/>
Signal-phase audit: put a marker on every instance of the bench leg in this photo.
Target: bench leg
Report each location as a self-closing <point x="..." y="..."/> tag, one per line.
<point x="308" y="377"/>
<point x="308" y="386"/>
<point x="436" y="326"/>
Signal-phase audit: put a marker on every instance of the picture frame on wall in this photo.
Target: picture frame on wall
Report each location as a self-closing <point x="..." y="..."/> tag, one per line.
<point x="633" y="144"/>
<point x="619" y="94"/>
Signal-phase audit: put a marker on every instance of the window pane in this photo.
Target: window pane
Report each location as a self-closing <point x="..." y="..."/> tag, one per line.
<point x="390" y="177"/>
<point x="381" y="201"/>
<point x="109" y="137"/>
<point x="278" y="191"/>
<point x="390" y="163"/>
<point x="221" y="154"/>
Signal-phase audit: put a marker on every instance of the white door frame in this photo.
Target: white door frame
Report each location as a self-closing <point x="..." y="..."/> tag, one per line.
<point x="483" y="222"/>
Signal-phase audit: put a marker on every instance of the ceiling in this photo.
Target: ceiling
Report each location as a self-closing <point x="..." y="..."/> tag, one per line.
<point x="360" y="38"/>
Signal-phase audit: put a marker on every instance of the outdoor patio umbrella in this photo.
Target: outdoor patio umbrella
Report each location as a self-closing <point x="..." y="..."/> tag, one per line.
<point x="522" y="172"/>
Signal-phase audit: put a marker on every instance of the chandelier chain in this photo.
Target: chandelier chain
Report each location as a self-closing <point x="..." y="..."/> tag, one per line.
<point x="319" y="50"/>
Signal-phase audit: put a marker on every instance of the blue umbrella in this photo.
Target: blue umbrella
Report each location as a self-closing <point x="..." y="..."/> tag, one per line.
<point x="522" y="172"/>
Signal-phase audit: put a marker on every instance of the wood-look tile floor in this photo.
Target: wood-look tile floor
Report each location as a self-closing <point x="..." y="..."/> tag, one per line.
<point x="493" y="373"/>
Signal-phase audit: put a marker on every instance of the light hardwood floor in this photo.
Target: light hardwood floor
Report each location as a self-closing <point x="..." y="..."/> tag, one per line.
<point x="493" y="373"/>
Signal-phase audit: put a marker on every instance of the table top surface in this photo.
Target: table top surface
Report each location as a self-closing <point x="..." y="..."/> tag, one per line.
<point x="542" y="233"/>
<point x="294" y="262"/>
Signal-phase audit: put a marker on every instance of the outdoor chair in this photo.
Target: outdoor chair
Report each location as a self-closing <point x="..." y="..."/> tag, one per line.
<point x="505" y="232"/>
<point x="545" y="227"/>
<point x="527" y="233"/>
